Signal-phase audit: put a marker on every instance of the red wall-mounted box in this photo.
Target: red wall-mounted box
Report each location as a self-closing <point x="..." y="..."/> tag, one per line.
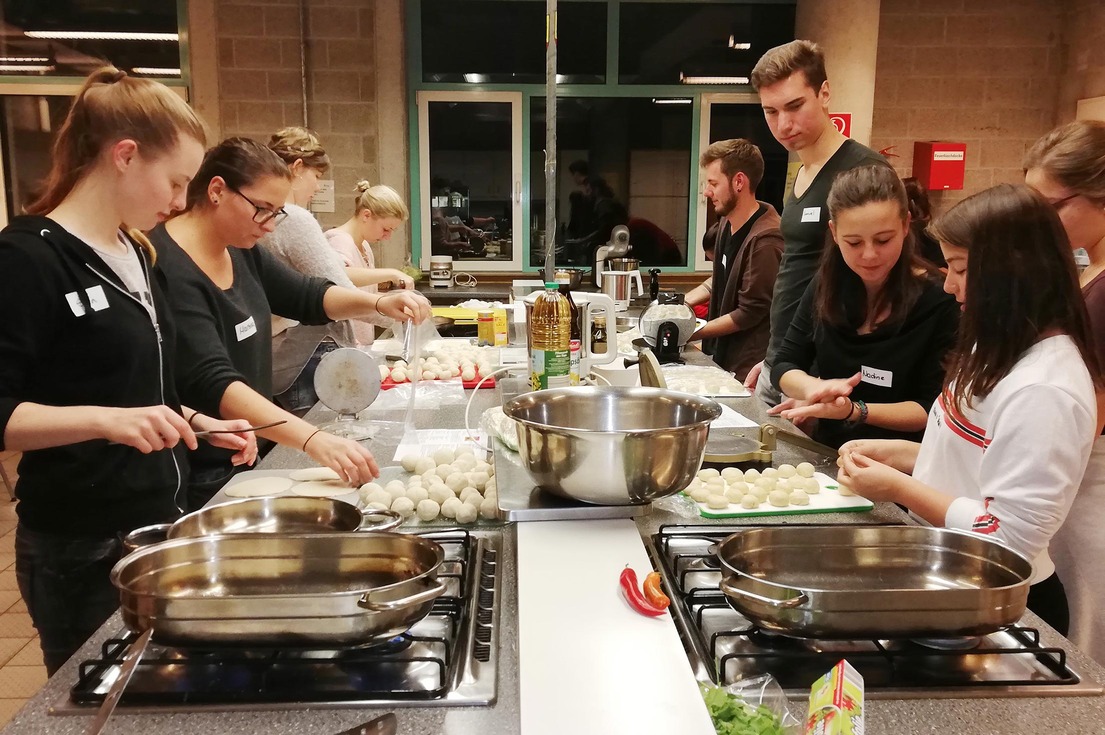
<point x="939" y="164"/>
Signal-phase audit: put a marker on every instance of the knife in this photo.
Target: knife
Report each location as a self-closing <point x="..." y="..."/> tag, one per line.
<point x="115" y="693"/>
<point x="382" y="725"/>
<point x="237" y="431"/>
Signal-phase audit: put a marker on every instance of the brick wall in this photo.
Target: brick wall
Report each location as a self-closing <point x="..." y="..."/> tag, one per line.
<point x="260" y="81"/>
<point x="1084" y="45"/>
<point x="981" y="72"/>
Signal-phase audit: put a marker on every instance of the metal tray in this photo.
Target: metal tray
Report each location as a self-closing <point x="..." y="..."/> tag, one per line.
<point x="279" y="589"/>
<point x="873" y="581"/>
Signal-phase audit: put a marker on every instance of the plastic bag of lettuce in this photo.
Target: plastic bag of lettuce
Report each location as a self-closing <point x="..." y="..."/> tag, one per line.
<point x="755" y="706"/>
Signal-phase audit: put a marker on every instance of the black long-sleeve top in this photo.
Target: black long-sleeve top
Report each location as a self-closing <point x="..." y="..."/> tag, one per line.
<point x="903" y="362"/>
<point x="226" y="335"/>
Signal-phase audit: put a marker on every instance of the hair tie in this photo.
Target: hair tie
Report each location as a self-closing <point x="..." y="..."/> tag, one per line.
<point x="119" y="75"/>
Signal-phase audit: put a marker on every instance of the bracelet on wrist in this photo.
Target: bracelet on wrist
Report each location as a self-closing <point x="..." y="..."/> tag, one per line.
<point x="312" y="436"/>
<point x="192" y="417"/>
<point x="377" y="305"/>
<point x="862" y="412"/>
<point x="851" y="411"/>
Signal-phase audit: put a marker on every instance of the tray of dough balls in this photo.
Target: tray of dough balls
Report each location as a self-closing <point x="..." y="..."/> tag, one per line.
<point x="786" y="490"/>
<point x="448" y="361"/>
<point x="446" y="485"/>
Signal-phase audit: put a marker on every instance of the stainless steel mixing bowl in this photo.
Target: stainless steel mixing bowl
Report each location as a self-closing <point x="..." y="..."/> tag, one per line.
<point x="612" y="446"/>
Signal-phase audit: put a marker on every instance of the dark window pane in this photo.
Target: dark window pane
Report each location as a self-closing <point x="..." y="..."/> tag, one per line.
<point x="640" y="153"/>
<point x="70" y="38"/>
<point x="747" y="121"/>
<point x="491" y="41"/>
<point x="29" y="125"/>
<point x="660" y="41"/>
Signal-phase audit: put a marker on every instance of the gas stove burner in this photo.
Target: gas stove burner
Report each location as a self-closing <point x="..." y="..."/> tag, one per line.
<point x="711" y="559"/>
<point x="398" y="644"/>
<point x="964" y="643"/>
<point x="773" y="640"/>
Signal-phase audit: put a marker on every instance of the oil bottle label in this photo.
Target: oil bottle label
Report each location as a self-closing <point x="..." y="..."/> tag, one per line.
<point x="550" y="369"/>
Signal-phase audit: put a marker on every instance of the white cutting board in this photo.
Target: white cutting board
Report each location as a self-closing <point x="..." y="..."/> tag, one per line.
<point x="588" y="663"/>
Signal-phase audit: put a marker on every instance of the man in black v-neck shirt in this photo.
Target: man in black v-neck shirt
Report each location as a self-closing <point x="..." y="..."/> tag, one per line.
<point x="794" y="94"/>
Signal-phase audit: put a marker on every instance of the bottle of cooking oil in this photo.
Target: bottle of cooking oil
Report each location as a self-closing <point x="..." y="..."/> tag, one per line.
<point x="550" y="339"/>
<point x="575" y="344"/>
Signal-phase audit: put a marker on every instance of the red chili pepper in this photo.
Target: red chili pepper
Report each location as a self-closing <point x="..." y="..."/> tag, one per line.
<point x="654" y="593"/>
<point x="633" y="596"/>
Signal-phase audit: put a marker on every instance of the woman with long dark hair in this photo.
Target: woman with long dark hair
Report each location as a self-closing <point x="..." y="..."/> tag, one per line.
<point x="864" y="354"/>
<point x="1008" y="441"/>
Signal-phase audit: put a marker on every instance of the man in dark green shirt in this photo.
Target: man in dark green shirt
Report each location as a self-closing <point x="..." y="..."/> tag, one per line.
<point x="794" y="94"/>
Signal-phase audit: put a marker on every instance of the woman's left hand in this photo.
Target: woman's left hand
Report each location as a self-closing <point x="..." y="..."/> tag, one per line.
<point x="403" y="305"/>
<point x="870" y="479"/>
<point x="797" y="410"/>
<point x="243" y="443"/>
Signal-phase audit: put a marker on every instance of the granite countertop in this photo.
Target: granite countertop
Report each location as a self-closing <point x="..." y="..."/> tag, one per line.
<point x="1019" y="716"/>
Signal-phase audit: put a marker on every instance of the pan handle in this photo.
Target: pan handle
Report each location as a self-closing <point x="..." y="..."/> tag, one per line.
<point x="728" y="588"/>
<point x="416" y="599"/>
<point x="379" y="520"/>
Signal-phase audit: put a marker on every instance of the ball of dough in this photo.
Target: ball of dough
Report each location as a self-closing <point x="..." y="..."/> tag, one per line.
<point x="811" y="485"/>
<point x="400" y="363"/>
<point x="385" y="373"/>
<point x="380" y="496"/>
<point x="770" y="472"/>
<point x="443" y="374"/>
<point x="695" y="484"/>
<point x="469" y="492"/>
<point x="715" y="482"/>
<point x="700" y="495"/>
<point x="779" y="498"/>
<point x="743" y="487"/>
<point x="760" y="492"/>
<point x="845" y="490"/>
<point x="450" y="507"/>
<point x="732" y="474"/>
<point x="491" y="470"/>
<point x="733" y="494"/>
<point x="370" y="487"/>
<point x="805" y="469"/>
<point x="444" y="470"/>
<point x="403" y="506"/>
<point x="424" y="464"/>
<point x="378" y="506"/>
<point x="427" y="510"/>
<point x="707" y="473"/>
<point x="751" y="475"/>
<point x="467" y="513"/>
<point x="767" y="482"/>
<point x="489" y="509"/>
<point x="429" y="375"/>
<point x="784" y="484"/>
<point x="750" y="501"/>
<point x="482" y="466"/>
<point x="399" y="375"/>
<point x="468" y="375"/>
<point x="418" y="494"/>
<point x="463" y="449"/>
<point x="396" y="488"/>
<point x="444" y="455"/>
<point x="717" y="502"/>
<point x="408" y="462"/>
<point x="799" y="497"/>
<point x="456" y="481"/>
<point x="787" y="470"/>
<point x="465" y="463"/>
<point x="440" y="494"/>
<point x="478" y="479"/>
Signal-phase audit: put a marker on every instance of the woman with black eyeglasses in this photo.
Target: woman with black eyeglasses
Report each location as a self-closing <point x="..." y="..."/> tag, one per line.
<point x="224" y="291"/>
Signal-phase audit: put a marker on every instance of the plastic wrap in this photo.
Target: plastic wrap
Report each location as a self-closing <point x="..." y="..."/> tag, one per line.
<point x="753" y="694"/>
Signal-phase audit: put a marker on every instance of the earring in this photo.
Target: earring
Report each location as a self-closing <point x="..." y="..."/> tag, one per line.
<point x="214" y="200"/>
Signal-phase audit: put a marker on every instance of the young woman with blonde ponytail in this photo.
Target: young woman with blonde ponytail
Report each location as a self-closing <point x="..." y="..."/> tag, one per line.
<point x="378" y="212"/>
<point x="87" y="342"/>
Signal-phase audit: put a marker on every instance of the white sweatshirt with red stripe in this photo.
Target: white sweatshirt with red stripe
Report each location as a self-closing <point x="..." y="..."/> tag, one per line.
<point x="1015" y="459"/>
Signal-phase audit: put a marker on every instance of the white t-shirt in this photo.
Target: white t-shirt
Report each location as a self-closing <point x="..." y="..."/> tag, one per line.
<point x="129" y="269"/>
<point x="1015" y="459"/>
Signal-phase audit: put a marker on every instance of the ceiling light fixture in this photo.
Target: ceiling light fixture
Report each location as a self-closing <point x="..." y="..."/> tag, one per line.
<point x="23" y="60"/>
<point x="101" y="36"/>
<point x="156" y="71"/>
<point x="473" y="78"/>
<point x="675" y="101"/>
<point x="742" y="46"/>
<point x="684" y="79"/>
<point x="26" y="67"/>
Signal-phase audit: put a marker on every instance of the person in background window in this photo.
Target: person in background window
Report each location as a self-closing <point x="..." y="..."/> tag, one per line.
<point x="1009" y="438"/>
<point x="607" y="214"/>
<point x="920" y="214"/>
<point x="794" y="94"/>
<point x="865" y="352"/>
<point x="87" y="342"/>
<point x="746" y="252"/>
<point x="225" y="291"/>
<point x="1067" y="167"/>
<point x="581" y="206"/>
<point x="378" y="212"/>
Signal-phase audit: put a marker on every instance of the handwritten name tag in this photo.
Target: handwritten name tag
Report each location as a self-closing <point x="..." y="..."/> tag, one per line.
<point x="874" y="376"/>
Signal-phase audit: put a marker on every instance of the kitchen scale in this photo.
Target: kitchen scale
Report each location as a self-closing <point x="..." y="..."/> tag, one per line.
<point x="347" y="381"/>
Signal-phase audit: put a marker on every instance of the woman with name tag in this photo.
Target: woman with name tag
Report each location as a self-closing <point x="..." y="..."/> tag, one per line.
<point x="224" y="292"/>
<point x="864" y="353"/>
<point x="1067" y="167"/>
<point x="1008" y="440"/>
<point x="87" y="390"/>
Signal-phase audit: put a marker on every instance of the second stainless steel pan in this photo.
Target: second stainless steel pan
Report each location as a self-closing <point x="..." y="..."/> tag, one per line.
<point x="873" y="581"/>
<point x="283" y="514"/>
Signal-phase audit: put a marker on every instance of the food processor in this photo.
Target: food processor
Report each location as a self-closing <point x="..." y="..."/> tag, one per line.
<point x="667" y="326"/>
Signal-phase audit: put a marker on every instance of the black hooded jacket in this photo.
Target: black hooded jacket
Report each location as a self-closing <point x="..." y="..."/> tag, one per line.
<point x="71" y="335"/>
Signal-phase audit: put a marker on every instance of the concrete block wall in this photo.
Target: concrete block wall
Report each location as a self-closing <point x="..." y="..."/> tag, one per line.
<point x="982" y="72"/>
<point x="1084" y="50"/>
<point x="261" y="85"/>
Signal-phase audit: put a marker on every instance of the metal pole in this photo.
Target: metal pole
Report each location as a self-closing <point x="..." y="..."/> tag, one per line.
<point x="550" y="141"/>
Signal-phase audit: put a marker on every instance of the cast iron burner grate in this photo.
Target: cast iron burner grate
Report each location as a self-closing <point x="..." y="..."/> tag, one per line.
<point x="420" y="666"/>
<point x="726" y="647"/>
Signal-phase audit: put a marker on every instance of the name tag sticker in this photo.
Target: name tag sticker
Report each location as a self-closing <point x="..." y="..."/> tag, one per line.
<point x="724" y="261"/>
<point x="874" y="376"/>
<point x="75" y="304"/>
<point x="248" y="328"/>
<point x="97" y="298"/>
<point x="811" y="214"/>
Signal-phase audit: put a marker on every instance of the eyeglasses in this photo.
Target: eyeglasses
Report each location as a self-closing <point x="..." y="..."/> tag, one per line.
<point x="1057" y="204"/>
<point x="263" y="214"/>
